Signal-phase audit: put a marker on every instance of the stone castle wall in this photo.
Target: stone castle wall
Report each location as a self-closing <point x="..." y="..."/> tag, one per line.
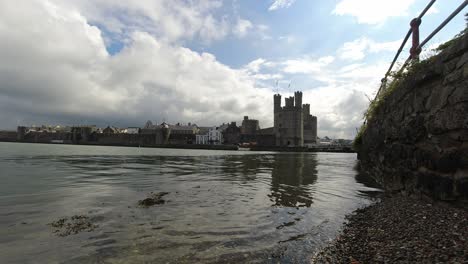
<point x="417" y="140"/>
<point x="310" y="129"/>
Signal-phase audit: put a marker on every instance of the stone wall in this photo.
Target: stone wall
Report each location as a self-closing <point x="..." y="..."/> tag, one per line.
<point x="8" y="136"/>
<point x="310" y="129"/>
<point x="417" y="138"/>
<point x="290" y="130"/>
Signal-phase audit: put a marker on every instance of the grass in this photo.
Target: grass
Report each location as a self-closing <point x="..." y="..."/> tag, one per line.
<point x="449" y="43"/>
<point x="393" y="81"/>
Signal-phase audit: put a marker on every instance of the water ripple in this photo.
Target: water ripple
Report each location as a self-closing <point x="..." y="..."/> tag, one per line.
<point x="222" y="207"/>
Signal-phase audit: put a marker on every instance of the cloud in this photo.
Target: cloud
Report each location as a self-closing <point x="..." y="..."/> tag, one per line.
<point x="242" y="27"/>
<point x="371" y="11"/>
<point x="254" y="66"/>
<point x="68" y="77"/>
<point x="339" y="109"/>
<point x="341" y="96"/>
<point x="357" y="49"/>
<point x="289" y="39"/>
<point x="278" y="4"/>
<point x="170" y="21"/>
<point x="307" y="65"/>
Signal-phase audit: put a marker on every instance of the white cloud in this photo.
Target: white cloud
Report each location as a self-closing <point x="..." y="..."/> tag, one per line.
<point x="254" y="66"/>
<point x="263" y="32"/>
<point x="242" y="27"/>
<point x="267" y="77"/>
<point x="277" y="4"/>
<point x="357" y="49"/>
<point x="341" y="96"/>
<point x="372" y="11"/>
<point x="432" y="10"/>
<point x="307" y="65"/>
<point x="67" y="75"/>
<point x="339" y="109"/>
<point x="167" y="20"/>
<point x="289" y="39"/>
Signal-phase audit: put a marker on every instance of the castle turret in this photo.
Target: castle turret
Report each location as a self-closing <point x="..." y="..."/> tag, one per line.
<point x="306" y="109"/>
<point x="289" y="102"/>
<point x="277" y="103"/>
<point x="298" y="99"/>
<point x="21" y="131"/>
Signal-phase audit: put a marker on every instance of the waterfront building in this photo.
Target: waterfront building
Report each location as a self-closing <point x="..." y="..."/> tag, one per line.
<point x="310" y="126"/>
<point x="249" y="130"/>
<point x="266" y="137"/>
<point x="215" y="136"/>
<point x="132" y="130"/>
<point x="182" y="134"/>
<point x="293" y="126"/>
<point x="232" y="134"/>
<point x="293" y="123"/>
<point x="210" y="136"/>
<point x="110" y="130"/>
<point x="202" y="139"/>
<point x="249" y="126"/>
<point x="154" y="134"/>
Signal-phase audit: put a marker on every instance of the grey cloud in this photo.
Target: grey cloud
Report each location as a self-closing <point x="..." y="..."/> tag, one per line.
<point x="54" y="68"/>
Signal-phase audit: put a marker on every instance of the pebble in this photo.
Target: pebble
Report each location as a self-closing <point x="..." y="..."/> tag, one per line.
<point x="401" y="229"/>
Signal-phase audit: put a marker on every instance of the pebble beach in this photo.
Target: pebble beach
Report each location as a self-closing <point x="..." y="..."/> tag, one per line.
<point x="401" y="230"/>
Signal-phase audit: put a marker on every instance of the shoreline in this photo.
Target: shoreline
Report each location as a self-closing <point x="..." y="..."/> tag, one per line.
<point x="198" y="146"/>
<point x="173" y="146"/>
<point x="401" y="229"/>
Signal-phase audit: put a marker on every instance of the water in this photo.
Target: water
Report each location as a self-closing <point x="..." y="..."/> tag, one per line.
<point x="222" y="206"/>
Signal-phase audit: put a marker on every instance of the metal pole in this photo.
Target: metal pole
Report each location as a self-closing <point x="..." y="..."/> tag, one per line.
<point x="415" y="49"/>
<point x="460" y="8"/>
<point x="426" y="9"/>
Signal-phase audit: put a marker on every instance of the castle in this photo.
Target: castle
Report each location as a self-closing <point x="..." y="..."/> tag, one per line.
<point x="293" y="123"/>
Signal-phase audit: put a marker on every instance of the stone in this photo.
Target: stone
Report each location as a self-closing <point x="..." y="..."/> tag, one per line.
<point x="153" y="199"/>
<point x="417" y="139"/>
<point x="69" y="226"/>
<point x="453" y="77"/>
<point x="462" y="61"/>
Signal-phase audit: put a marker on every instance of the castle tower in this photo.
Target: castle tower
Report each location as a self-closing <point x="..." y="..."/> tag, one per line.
<point x="310" y="125"/>
<point x="276" y="103"/>
<point x="289" y="102"/>
<point x="21" y="132"/>
<point x="306" y="109"/>
<point x="298" y="99"/>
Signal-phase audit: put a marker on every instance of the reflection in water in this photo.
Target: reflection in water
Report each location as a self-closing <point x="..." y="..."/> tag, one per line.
<point x="223" y="207"/>
<point x="291" y="178"/>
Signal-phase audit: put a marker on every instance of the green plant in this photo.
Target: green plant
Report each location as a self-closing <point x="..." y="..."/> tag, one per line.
<point x="391" y="83"/>
<point x="357" y="143"/>
<point x="449" y="43"/>
<point x="394" y="79"/>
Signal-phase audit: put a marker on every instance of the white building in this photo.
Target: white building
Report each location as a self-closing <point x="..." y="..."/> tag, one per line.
<point x="201" y="139"/>
<point x="132" y="130"/>
<point x="215" y="136"/>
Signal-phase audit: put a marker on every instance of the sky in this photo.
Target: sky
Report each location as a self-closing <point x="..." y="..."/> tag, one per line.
<point x="207" y="62"/>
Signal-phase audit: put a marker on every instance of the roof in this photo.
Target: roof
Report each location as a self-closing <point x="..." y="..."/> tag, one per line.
<point x="175" y="127"/>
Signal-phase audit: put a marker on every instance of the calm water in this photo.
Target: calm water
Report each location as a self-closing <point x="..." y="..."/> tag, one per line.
<point x="223" y="206"/>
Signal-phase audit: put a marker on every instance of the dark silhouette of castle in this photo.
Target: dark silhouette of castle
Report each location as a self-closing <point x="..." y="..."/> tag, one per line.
<point x="293" y="123"/>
